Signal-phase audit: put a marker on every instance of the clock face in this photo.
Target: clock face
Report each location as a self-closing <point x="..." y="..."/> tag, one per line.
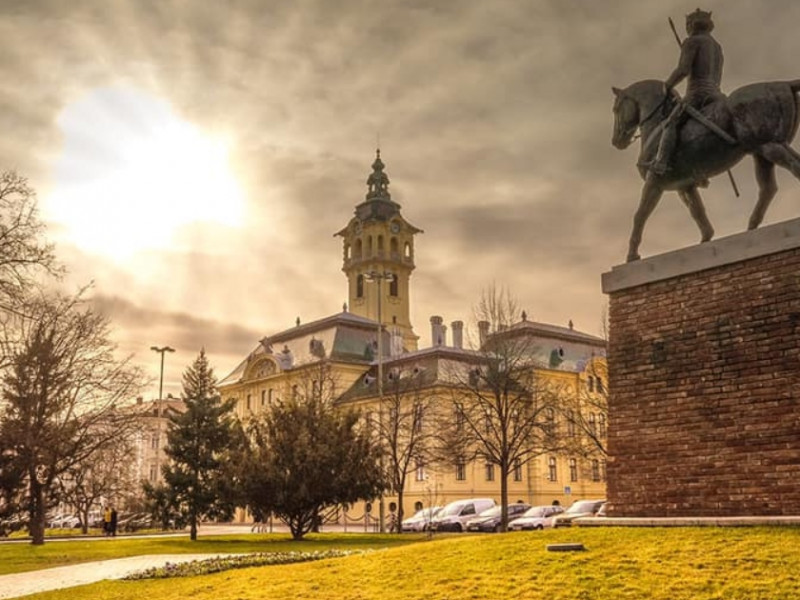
<point x="395" y="227"/>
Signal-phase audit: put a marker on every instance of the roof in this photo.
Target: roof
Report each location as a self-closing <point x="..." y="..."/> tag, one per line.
<point x="343" y="337"/>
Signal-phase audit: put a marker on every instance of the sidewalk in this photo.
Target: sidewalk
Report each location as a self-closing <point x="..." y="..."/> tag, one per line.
<point x="33" y="582"/>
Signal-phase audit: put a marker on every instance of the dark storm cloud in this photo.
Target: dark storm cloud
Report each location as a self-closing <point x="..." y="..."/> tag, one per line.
<point x="187" y="332"/>
<point x="494" y="121"/>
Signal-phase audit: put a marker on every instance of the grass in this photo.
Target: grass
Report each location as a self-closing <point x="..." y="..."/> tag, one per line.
<point x="653" y="564"/>
<point x="18" y="558"/>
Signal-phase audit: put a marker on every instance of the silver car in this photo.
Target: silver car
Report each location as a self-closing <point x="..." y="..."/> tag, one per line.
<point x="536" y="517"/>
<point x="421" y="520"/>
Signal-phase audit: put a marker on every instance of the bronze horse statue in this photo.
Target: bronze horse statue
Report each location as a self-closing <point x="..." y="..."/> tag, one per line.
<point x="761" y="119"/>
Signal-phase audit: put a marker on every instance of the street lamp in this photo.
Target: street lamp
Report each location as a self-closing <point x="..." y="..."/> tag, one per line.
<point x="378" y="277"/>
<point x="163" y="350"/>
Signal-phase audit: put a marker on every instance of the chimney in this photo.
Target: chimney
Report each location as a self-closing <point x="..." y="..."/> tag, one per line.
<point x="438" y="332"/>
<point x="458" y="334"/>
<point x="483" y="332"/>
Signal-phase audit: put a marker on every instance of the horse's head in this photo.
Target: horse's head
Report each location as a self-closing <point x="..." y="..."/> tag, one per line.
<point x="626" y="118"/>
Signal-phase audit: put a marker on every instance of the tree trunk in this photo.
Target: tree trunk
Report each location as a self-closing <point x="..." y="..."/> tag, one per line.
<point x="399" y="520"/>
<point x="504" y="497"/>
<point x="193" y="527"/>
<point x="37" y="515"/>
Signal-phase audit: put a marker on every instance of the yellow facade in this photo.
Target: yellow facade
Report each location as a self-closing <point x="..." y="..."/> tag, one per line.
<point x="346" y="352"/>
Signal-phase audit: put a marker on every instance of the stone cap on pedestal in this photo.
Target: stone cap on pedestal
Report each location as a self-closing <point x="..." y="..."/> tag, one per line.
<point x="728" y="250"/>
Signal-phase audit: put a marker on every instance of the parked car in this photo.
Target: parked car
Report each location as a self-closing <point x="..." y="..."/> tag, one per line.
<point x="579" y="508"/>
<point x="421" y="519"/>
<point x="536" y="517"/>
<point x="490" y="520"/>
<point x="455" y="515"/>
<point x="135" y="522"/>
<point x="63" y="521"/>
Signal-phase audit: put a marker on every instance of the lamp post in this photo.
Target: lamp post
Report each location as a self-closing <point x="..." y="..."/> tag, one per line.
<point x="378" y="277"/>
<point x="163" y="350"/>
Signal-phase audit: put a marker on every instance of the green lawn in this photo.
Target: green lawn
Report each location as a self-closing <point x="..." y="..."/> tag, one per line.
<point x="17" y="558"/>
<point x="642" y="564"/>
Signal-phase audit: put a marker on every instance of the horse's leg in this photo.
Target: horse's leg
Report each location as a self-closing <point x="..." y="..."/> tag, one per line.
<point x="651" y="194"/>
<point x="767" y="188"/>
<point x="691" y="198"/>
<point x="783" y="155"/>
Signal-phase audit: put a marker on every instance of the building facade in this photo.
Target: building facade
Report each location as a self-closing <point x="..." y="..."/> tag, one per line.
<point x="371" y="356"/>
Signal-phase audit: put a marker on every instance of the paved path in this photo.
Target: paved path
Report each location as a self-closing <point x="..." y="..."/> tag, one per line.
<point x="33" y="582"/>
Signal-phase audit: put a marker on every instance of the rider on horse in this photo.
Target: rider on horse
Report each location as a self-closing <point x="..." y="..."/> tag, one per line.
<point x="701" y="62"/>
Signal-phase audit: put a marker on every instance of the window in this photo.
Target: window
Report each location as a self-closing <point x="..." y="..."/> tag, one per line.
<point x="600" y="388"/>
<point x="489" y="471"/>
<point x="602" y="421"/>
<point x="595" y="470"/>
<point x="593" y="424"/>
<point x="263" y="398"/>
<point x="248" y="402"/>
<point x="369" y="246"/>
<point x="393" y="287"/>
<point x="380" y="244"/>
<point x="269" y="395"/>
<point x="460" y="418"/>
<point x="419" y="413"/>
<point x="572" y="429"/>
<point x="590" y="381"/>
<point x="395" y="249"/>
<point x="550" y="421"/>
<point x="407" y="250"/>
<point x="153" y="472"/>
<point x="154" y="441"/>
<point x="347" y="254"/>
<point x="517" y="469"/>
<point x="573" y="469"/>
<point x="420" y="472"/>
<point x="359" y="249"/>
<point x="461" y="470"/>
<point x="552" y="469"/>
<point x="360" y="286"/>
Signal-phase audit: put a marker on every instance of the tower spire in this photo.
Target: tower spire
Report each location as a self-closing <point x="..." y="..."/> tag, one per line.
<point x="378" y="181"/>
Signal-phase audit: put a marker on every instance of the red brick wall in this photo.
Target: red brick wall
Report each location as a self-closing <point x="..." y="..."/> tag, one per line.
<point x="704" y="407"/>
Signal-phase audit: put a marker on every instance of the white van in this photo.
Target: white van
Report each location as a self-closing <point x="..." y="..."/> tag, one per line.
<point x="455" y="515"/>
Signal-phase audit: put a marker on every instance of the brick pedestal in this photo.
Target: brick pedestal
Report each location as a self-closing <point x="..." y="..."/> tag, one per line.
<point x="704" y="379"/>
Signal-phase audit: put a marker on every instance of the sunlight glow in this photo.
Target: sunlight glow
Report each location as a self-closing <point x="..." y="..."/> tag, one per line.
<point x="133" y="173"/>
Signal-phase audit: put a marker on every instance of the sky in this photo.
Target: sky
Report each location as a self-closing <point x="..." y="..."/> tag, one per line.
<point x="193" y="159"/>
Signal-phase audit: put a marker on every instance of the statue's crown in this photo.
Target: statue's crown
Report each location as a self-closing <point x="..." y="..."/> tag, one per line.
<point x="699" y="15"/>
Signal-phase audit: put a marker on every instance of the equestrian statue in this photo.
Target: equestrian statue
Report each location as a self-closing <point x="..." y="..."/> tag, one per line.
<point x="686" y="141"/>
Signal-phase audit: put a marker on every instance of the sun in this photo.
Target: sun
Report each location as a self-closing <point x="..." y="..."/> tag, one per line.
<point x="132" y="174"/>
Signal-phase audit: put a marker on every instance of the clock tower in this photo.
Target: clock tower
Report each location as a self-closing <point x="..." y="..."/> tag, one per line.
<point x="379" y="259"/>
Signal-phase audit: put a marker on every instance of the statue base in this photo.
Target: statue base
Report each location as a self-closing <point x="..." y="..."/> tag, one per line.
<point x="704" y="379"/>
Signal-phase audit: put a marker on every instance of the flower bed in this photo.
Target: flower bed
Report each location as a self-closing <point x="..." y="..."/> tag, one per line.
<point x="225" y="563"/>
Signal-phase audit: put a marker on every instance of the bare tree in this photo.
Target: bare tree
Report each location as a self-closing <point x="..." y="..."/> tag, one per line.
<point x="63" y="389"/>
<point x="105" y="475"/>
<point x="499" y="414"/>
<point x="23" y="253"/>
<point x="584" y="411"/>
<point x="406" y="429"/>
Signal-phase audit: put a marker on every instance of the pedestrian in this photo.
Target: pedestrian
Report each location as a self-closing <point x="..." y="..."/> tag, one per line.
<point x="107" y="521"/>
<point x="113" y="522"/>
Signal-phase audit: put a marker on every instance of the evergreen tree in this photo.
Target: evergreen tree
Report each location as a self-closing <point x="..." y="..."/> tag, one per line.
<point x="304" y="456"/>
<point x="198" y="443"/>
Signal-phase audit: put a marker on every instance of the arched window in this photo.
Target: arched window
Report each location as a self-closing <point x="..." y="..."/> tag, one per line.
<point x="369" y="246"/>
<point x="360" y="286"/>
<point x="595" y="470"/>
<point x="407" y="250"/>
<point x="359" y="249"/>
<point x="573" y="469"/>
<point x="347" y="253"/>
<point x="393" y="287"/>
<point x="380" y="244"/>
<point x="552" y="469"/>
<point x="393" y="246"/>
